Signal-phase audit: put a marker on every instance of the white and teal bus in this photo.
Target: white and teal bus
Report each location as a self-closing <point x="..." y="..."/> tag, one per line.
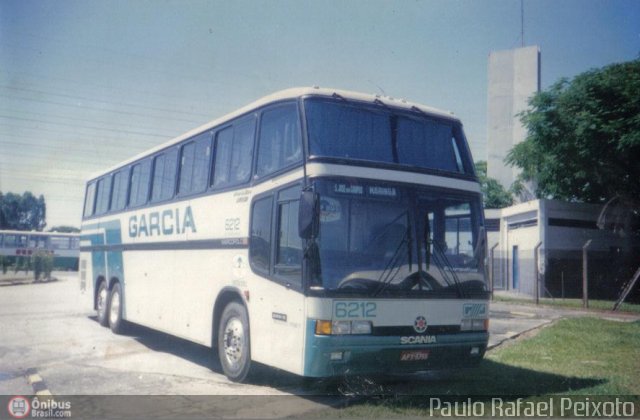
<point x="17" y="245"/>
<point x="316" y="231"/>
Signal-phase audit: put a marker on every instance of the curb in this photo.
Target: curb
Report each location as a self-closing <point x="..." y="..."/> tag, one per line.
<point x="37" y="383"/>
<point x="20" y="282"/>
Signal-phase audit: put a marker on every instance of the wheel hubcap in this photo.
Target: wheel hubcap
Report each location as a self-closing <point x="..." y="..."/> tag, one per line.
<point x="234" y="342"/>
<point x="114" y="312"/>
<point x="102" y="302"/>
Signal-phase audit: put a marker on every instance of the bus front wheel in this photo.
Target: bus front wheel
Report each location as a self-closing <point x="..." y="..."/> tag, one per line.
<point x="234" y="346"/>
<point x="101" y="304"/>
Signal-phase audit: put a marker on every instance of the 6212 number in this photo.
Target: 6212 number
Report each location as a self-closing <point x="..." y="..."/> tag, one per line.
<point x="355" y="309"/>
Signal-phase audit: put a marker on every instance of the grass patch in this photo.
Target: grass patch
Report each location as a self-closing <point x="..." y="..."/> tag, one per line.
<point x="599" y="305"/>
<point x="579" y="356"/>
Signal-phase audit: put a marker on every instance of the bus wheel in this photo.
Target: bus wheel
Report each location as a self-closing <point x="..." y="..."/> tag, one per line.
<point x="115" y="309"/>
<point x="234" y="347"/>
<point x="101" y="304"/>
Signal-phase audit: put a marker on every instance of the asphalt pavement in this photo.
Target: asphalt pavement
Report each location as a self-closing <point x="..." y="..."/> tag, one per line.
<point x="51" y="343"/>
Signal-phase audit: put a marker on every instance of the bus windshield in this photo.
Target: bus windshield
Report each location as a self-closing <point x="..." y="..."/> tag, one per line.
<point x="386" y="240"/>
<point x="350" y="131"/>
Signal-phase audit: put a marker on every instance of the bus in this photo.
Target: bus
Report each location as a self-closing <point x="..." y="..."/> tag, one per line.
<point x="17" y="244"/>
<point x="317" y="231"/>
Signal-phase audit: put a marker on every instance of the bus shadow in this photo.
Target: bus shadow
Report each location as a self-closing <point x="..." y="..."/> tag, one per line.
<point x="203" y="356"/>
<point x="489" y="380"/>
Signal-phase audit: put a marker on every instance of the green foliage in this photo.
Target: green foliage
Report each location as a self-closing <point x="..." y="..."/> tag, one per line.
<point x="22" y="212"/>
<point x="583" y="140"/>
<point x="494" y="195"/>
<point x="42" y="261"/>
<point x="22" y="264"/>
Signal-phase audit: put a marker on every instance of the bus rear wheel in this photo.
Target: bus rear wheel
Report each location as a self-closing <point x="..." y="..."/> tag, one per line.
<point x="101" y="304"/>
<point x="234" y="345"/>
<point x="115" y="309"/>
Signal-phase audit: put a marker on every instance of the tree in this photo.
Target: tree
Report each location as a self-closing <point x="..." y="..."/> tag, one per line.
<point x="583" y="141"/>
<point x="22" y="212"/>
<point x="494" y="195"/>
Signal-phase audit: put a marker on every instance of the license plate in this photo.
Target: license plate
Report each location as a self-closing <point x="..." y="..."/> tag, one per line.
<point x="414" y="355"/>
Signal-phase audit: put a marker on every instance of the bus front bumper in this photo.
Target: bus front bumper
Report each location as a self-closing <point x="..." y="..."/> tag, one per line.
<point x="327" y="356"/>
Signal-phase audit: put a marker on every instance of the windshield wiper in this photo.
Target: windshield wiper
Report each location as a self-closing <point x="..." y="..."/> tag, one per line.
<point x="440" y="259"/>
<point x="394" y="265"/>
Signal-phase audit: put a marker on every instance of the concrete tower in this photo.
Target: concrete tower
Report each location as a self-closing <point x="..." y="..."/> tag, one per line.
<point x="514" y="76"/>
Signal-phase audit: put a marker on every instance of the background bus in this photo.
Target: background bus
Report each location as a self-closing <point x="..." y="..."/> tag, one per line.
<point x="321" y="232"/>
<point x="65" y="247"/>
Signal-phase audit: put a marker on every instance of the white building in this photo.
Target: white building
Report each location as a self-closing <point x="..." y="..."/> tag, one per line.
<point x="562" y="229"/>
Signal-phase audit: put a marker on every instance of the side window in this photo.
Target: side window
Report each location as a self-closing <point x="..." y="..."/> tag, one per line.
<point x="164" y="175"/>
<point x="103" y="194"/>
<point x="194" y="165"/>
<point x="139" y="191"/>
<point x="234" y="154"/>
<point x="260" y="241"/>
<point x="60" y="242"/>
<point x="90" y="199"/>
<point x="119" y="194"/>
<point x="289" y="245"/>
<point x="280" y="142"/>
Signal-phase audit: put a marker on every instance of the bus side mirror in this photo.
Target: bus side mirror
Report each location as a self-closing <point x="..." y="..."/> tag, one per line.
<point x="309" y="215"/>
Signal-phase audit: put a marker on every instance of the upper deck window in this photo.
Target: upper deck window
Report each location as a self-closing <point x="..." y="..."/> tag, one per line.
<point x="90" y="199"/>
<point x="119" y="194"/>
<point x="375" y="133"/>
<point x="164" y="175"/>
<point x="139" y="191"/>
<point x="280" y="143"/>
<point x="234" y="154"/>
<point x="103" y="193"/>
<point x="194" y="165"/>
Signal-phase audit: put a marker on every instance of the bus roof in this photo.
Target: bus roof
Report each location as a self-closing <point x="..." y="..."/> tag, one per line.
<point x="34" y="232"/>
<point x="291" y="93"/>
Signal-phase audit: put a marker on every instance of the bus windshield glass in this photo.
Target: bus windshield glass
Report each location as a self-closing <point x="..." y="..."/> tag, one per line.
<point x="387" y="240"/>
<point x="355" y="131"/>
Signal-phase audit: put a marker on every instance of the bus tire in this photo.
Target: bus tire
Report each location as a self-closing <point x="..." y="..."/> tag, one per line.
<point x="116" y="323"/>
<point x="234" y="344"/>
<point x="102" y="300"/>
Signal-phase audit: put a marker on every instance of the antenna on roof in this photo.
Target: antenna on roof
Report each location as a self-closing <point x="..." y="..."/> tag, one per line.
<point x="522" y="22"/>
<point x="379" y="88"/>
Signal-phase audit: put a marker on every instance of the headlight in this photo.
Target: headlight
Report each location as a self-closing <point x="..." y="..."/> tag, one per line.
<point x="360" y="327"/>
<point x="342" y="327"/>
<point x="474" y="325"/>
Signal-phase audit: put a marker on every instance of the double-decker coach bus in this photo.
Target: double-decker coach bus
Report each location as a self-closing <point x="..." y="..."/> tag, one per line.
<point x="317" y="231"/>
<point x="16" y="244"/>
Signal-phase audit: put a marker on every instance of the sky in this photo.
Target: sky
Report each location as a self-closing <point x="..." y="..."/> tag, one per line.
<point x="87" y="84"/>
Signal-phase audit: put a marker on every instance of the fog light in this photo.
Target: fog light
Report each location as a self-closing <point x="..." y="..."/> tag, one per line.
<point x="336" y="355"/>
<point x="475" y="351"/>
